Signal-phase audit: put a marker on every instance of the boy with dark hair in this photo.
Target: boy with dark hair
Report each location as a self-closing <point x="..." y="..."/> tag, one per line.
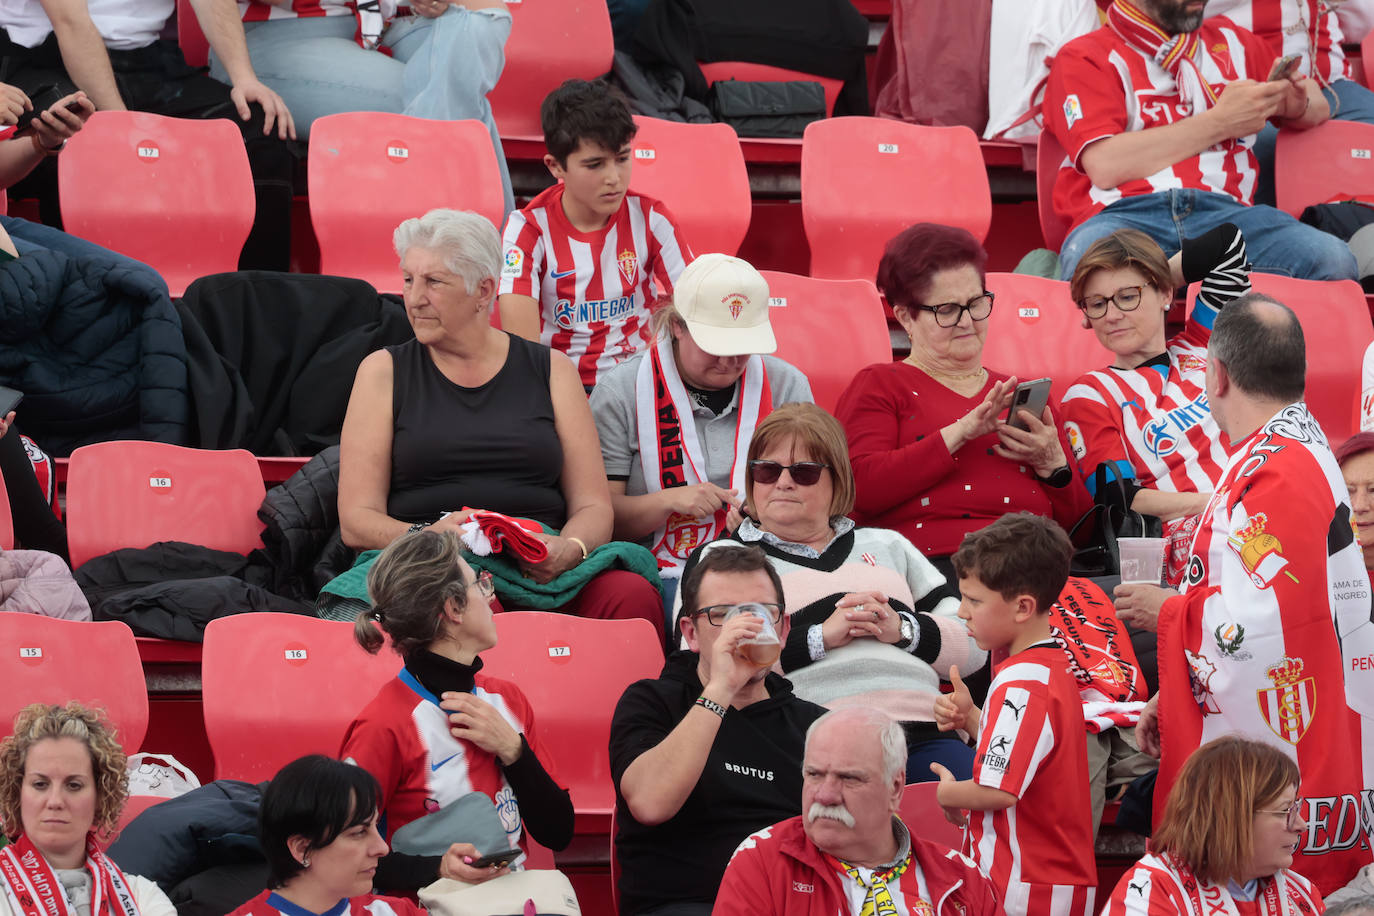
<point x="1030" y="828"/>
<point x="586" y="257"/>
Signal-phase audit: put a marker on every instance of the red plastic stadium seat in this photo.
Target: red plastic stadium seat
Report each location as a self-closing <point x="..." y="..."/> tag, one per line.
<point x="863" y="180"/>
<point x="550" y="41"/>
<point x="698" y="171"/>
<point x="371" y="170"/>
<point x="573" y="671"/>
<point x="716" y="71"/>
<point x="1336" y="329"/>
<point x="194" y="46"/>
<point x="174" y="193"/>
<point x="829" y="329"/>
<point x="280" y="686"/>
<point x="1367" y="58"/>
<point x="1332" y="161"/>
<point x="925" y="818"/>
<point x="132" y="494"/>
<point x="1035" y="330"/>
<point x="1049" y="158"/>
<point x="45" y="660"/>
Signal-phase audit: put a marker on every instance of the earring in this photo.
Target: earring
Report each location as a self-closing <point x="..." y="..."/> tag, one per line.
<point x="305" y="861"/>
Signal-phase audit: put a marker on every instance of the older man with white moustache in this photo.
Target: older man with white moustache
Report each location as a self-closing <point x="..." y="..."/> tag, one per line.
<point x="849" y="852"/>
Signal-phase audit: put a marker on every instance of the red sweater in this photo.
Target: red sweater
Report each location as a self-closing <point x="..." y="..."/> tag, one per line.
<point x="908" y="481"/>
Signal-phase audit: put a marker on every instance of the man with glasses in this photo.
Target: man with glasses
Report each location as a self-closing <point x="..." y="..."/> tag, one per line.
<point x="1272" y="636"/>
<point x="709" y="751"/>
<point x="1158" y="112"/>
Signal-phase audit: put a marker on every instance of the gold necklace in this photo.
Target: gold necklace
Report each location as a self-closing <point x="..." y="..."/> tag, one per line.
<point x="952" y="376"/>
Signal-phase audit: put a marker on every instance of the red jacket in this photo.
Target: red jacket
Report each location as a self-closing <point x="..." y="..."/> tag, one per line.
<point x="779" y="872"/>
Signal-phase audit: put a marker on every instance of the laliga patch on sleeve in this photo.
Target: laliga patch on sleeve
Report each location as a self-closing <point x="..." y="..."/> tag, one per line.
<point x="515" y="262"/>
<point x="1073" y="110"/>
<point x="1075" y="437"/>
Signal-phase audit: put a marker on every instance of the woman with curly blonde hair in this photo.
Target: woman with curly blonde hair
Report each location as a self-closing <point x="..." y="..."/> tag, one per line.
<point x="62" y="784"/>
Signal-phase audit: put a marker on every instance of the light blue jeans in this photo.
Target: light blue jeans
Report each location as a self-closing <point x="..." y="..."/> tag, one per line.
<point x="1275" y="241"/>
<point x="439" y="68"/>
<point x="1349" y="101"/>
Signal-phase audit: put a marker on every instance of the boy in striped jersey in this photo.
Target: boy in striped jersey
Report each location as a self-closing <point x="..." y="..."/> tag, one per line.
<point x="586" y="257"/>
<point x="1029" y="816"/>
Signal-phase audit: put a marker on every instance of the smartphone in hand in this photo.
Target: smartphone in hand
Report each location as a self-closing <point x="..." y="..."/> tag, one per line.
<point x="1033" y="396"/>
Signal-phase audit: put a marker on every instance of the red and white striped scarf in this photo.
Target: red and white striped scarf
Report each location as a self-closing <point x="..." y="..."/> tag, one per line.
<point x="31" y="887"/>
<point x="1177" y="54"/>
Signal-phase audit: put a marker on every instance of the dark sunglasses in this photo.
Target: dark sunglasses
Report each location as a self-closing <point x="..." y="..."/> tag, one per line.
<point x="804" y="473"/>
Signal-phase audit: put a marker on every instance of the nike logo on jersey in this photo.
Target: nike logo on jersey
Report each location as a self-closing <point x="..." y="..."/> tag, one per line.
<point x="560" y="274"/>
<point x="433" y="767"/>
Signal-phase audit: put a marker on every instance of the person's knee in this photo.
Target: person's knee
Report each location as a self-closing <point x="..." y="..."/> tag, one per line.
<point x="1329" y="258"/>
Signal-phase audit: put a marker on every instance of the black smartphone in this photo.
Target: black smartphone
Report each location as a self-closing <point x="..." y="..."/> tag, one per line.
<point x="42" y="100"/>
<point x="499" y="859"/>
<point x="1033" y="396"/>
<point x="9" y="399"/>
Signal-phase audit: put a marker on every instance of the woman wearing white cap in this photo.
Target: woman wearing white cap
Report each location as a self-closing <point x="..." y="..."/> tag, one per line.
<point x="673" y="482"/>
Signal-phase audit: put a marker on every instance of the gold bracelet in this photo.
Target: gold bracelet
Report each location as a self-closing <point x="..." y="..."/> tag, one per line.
<point x="580" y="543"/>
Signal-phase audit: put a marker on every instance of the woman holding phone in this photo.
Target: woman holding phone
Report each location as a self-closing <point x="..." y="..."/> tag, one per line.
<point x="934" y="457"/>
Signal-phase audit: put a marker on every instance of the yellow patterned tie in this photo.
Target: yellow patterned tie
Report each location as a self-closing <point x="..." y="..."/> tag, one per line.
<point x="878" y="901"/>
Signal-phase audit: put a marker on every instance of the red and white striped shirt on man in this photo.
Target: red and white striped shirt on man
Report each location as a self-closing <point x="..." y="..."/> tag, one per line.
<point x="1100" y="86"/>
<point x="593" y="288"/>
<point x="1307" y="28"/>
<point x="1038" y="852"/>
<point x="1151" y="424"/>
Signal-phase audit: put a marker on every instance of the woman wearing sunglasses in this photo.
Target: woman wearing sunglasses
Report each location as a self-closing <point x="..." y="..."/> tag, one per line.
<point x="1225" y="843"/>
<point x="872" y="622"/>
<point x="1145" y="419"/>
<point x="442" y="730"/>
<point x="933" y="457"/>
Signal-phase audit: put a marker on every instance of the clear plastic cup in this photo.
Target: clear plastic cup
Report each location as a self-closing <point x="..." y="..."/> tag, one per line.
<point x="1142" y="559"/>
<point x="763" y="649"/>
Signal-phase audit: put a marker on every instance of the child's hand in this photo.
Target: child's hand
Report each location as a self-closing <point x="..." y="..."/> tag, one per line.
<point x="955" y="816"/>
<point x="952" y="709"/>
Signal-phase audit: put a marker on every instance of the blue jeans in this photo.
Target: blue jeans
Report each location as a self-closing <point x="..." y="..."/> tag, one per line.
<point x="1275" y="241"/>
<point x="439" y="68"/>
<point x="1349" y="101"/>
<point x="955" y="755"/>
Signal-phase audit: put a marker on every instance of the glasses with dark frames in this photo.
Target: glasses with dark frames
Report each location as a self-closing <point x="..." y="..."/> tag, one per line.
<point x="804" y="473"/>
<point x="949" y="314"/>
<point x="1127" y="299"/>
<point x="716" y="612"/>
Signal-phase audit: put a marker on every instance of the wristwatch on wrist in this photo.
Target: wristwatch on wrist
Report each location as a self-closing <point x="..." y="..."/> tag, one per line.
<point x="418" y="526"/>
<point x="1059" y="478"/>
<point x="908" y="630"/>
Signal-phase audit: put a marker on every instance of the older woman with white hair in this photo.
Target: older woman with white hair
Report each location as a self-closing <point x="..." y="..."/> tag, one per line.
<point x="675" y="422"/>
<point x="466" y="417"/>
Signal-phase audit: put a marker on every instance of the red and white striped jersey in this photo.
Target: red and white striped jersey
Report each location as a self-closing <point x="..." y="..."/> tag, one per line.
<point x="1272" y="639"/>
<point x="270" y="903"/>
<point x="1100" y="86"/>
<point x="260" y="10"/>
<point x="402" y="738"/>
<point x="594" y="288"/>
<point x="1162" y="886"/>
<point x="1038" y="852"/>
<point x="1152" y="423"/>
<point x="1307" y="28"/>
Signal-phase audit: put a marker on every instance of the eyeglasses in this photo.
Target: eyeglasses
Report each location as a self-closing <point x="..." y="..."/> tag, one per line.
<point x="716" y="612"/>
<point x="949" y="314"/>
<point x="1127" y="299"/>
<point x="1292" y="816"/>
<point x="485" y="587"/>
<point x="804" y="473"/>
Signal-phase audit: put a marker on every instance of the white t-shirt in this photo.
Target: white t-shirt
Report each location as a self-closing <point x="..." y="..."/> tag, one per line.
<point x="1023" y="34"/>
<point x="124" y="24"/>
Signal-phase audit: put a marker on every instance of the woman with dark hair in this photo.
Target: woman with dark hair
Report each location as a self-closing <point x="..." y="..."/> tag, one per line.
<point x="317" y="825"/>
<point x="62" y="786"/>
<point x="933" y="457"/>
<point x="1356" y="458"/>
<point x="442" y="734"/>
<point x="1225" y="843"/>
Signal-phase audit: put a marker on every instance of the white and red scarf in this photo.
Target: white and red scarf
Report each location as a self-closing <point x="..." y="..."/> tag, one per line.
<point x="1177" y="54"/>
<point x="32" y="889"/>
<point x="670" y="451"/>
<point x="1279" y="894"/>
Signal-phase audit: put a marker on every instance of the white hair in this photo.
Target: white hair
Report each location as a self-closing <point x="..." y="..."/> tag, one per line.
<point x="467" y="241"/>
<point x="888" y="730"/>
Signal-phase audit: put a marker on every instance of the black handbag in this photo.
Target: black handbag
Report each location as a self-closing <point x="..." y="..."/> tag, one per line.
<point x="1111" y="517"/>
<point x="768" y="109"/>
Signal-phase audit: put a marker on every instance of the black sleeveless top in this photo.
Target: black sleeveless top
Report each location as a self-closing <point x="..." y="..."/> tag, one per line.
<point x="491" y="447"/>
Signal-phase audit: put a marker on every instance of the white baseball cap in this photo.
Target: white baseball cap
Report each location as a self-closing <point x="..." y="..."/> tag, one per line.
<point x="724" y="303"/>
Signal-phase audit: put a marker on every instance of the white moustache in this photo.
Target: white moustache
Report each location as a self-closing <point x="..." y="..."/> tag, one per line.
<point x="833" y="812"/>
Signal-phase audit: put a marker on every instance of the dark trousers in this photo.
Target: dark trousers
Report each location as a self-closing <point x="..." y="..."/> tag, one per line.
<point x="157" y="79"/>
